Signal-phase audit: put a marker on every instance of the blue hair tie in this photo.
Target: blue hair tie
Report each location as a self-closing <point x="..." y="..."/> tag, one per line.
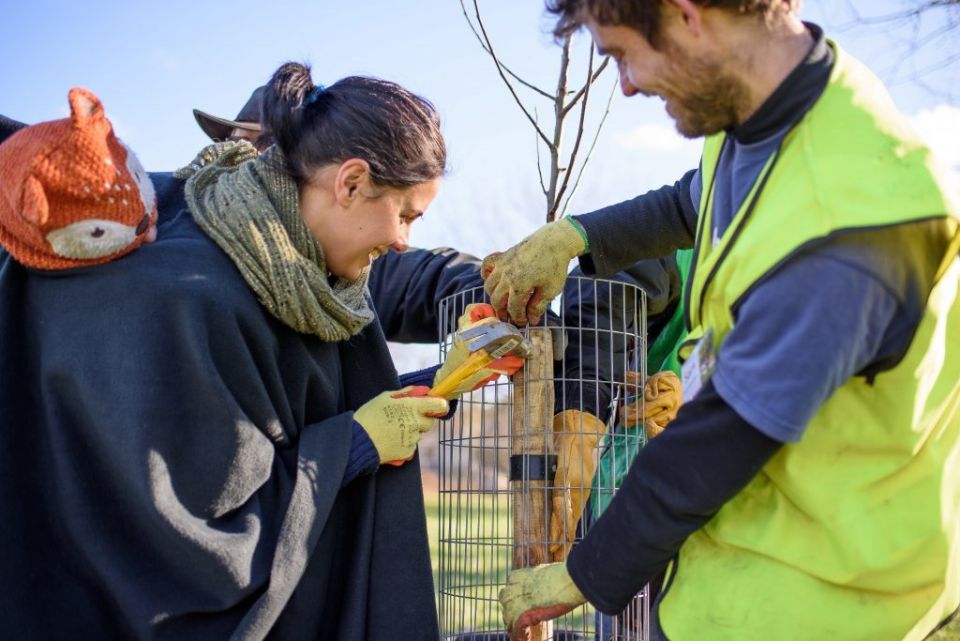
<point x="314" y="95"/>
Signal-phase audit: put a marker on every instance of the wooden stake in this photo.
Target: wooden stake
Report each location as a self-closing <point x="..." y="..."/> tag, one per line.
<point x="532" y="437"/>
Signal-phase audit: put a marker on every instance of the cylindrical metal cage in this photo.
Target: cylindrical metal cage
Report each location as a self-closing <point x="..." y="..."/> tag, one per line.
<point x="526" y="466"/>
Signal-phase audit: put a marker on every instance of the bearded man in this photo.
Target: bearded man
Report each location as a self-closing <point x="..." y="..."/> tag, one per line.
<point x="810" y="486"/>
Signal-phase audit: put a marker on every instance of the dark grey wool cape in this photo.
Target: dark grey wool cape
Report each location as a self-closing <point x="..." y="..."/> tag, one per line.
<point x="171" y="459"/>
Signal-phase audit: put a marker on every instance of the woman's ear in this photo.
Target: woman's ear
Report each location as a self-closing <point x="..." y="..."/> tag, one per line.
<point x="352" y="178"/>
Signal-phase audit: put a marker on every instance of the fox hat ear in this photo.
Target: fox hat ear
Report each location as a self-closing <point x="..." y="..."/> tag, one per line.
<point x="34" y="206"/>
<point x="84" y="106"/>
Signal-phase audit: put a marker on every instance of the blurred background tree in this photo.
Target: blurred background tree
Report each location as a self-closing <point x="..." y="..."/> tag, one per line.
<point x="923" y="37"/>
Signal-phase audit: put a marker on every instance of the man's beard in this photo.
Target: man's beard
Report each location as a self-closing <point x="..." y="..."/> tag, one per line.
<point x="712" y="99"/>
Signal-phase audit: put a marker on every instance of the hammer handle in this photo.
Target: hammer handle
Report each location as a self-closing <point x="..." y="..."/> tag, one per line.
<point x="474" y="363"/>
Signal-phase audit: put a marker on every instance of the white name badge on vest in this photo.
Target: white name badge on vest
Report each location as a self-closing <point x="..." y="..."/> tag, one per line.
<point x="699" y="366"/>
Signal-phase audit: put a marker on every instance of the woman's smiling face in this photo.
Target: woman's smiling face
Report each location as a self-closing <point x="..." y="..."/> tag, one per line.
<point x="354" y="221"/>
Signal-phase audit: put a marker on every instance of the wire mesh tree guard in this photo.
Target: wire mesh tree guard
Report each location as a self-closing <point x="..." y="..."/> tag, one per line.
<point x="526" y="466"/>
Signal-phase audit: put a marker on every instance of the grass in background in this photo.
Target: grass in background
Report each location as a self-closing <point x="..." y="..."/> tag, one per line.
<point x="477" y="552"/>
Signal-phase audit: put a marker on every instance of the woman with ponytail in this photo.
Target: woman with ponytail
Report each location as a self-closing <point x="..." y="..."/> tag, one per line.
<point x="199" y="432"/>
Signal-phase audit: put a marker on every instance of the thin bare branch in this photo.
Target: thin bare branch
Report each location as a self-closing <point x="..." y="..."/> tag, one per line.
<point x="586" y="160"/>
<point x="558" y="106"/>
<point x="576" y="98"/>
<point x="576" y="143"/>
<point x="897" y="16"/>
<point x="918" y="42"/>
<point x="536" y="142"/>
<point x="503" y="76"/>
<point x="528" y="85"/>
<point x="937" y="92"/>
<point x="940" y="64"/>
<point x="555" y="180"/>
<point x="921" y="41"/>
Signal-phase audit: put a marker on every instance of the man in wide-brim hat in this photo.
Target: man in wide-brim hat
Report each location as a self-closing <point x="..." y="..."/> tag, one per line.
<point x="246" y="125"/>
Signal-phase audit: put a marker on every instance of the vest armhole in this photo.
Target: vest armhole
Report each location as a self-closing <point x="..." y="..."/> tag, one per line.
<point x="871" y="371"/>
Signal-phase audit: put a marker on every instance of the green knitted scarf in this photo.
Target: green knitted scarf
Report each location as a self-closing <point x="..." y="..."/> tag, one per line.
<point x="252" y="211"/>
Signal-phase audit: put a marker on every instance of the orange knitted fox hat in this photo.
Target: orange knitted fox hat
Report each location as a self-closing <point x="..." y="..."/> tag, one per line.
<point x="72" y="194"/>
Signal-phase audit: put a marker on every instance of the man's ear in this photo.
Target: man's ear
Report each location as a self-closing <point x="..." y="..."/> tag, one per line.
<point x="352" y="178"/>
<point x="691" y="14"/>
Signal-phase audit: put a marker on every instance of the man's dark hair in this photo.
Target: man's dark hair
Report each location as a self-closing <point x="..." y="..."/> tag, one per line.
<point x="394" y="130"/>
<point x="641" y="15"/>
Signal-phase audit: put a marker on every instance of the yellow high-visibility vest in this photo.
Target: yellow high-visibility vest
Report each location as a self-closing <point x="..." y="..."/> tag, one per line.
<point x="854" y="531"/>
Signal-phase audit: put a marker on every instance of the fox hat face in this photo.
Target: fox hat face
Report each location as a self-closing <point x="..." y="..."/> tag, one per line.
<point x="72" y="194"/>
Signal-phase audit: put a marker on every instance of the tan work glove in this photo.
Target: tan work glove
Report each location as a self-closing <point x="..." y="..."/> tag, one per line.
<point x="662" y="395"/>
<point x="576" y="435"/>
<point x="537" y="594"/>
<point x="473" y="316"/>
<point x="524" y="279"/>
<point x="232" y="152"/>
<point x="395" y="421"/>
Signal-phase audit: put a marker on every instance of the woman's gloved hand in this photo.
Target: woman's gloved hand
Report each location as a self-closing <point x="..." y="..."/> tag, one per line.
<point x="524" y="279"/>
<point x="662" y="397"/>
<point x="474" y="316"/>
<point x="537" y="594"/>
<point x="395" y="421"/>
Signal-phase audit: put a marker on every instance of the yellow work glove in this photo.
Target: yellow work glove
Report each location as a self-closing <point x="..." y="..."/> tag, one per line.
<point x="474" y="316"/>
<point x="575" y="437"/>
<point x="662" y="396"/>
<point x="537" y="594"/>
<point x="395" y="421"/>
<point x="524" y="279"/>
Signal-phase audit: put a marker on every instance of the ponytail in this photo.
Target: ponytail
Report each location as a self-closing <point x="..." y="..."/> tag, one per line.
<point x="395" y="131"/>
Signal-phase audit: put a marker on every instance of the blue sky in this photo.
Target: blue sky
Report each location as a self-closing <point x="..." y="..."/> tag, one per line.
<point x="152" y="63"/>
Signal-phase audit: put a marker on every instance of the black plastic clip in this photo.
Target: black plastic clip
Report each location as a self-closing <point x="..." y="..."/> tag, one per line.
<point x="533" y="467"/>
